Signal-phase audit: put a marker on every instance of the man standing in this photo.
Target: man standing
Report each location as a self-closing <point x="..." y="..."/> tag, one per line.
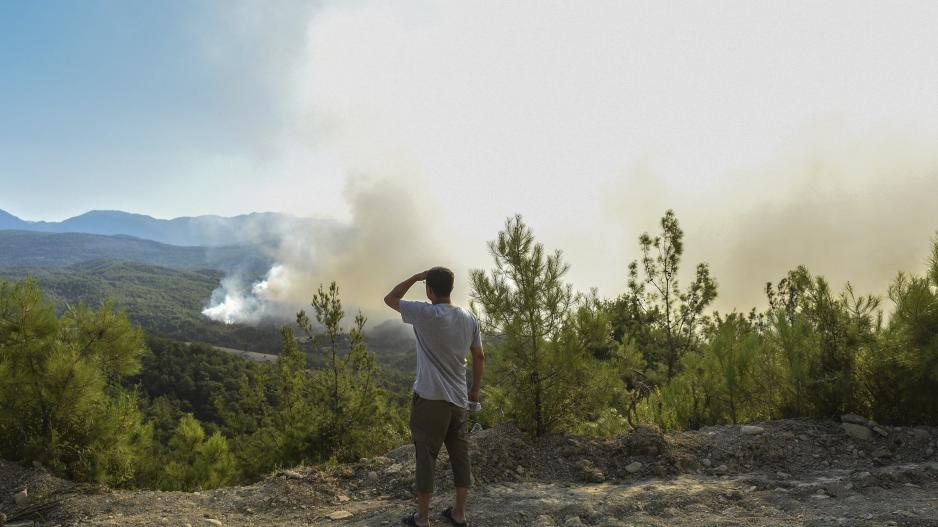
<point x="445" y="333"/>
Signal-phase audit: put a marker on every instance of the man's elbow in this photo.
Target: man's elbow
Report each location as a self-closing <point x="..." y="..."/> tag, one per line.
<point x="393" y="303"/>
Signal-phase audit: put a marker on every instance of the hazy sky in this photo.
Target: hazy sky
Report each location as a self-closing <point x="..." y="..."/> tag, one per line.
<point x="780" y="132"/>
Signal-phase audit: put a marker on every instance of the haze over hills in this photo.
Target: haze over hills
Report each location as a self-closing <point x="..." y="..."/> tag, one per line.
<point x="162" y="287"/>
<point x="152" y="269"/>
<point x="19" y="248"/>
<point x="212" y="231"/>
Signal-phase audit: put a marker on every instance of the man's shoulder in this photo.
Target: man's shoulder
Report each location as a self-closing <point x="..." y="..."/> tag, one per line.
<point x="463" y="312"/>
<point x="468" y="317"/>
<point x="412" y="311"/>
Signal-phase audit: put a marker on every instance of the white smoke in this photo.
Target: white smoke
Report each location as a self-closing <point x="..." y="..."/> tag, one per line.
<point x="236" y="302"/>
<point x="389" y="237"/>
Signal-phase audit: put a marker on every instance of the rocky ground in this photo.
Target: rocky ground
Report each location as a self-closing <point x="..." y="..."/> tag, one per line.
<point x="802" y="473"/>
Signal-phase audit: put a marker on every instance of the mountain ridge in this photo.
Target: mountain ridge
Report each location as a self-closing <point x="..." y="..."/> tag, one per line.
<point x="205" y="230"/>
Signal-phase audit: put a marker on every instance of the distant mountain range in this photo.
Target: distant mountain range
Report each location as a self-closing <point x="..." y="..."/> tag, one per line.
<point x="257" y="228"/>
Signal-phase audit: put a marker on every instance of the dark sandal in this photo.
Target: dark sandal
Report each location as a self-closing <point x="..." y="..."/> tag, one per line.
<point x="410" y="520"/>
<point x="448" y="514"/>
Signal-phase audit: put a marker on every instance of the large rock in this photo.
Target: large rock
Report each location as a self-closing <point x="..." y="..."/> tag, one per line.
<point x="644" y="441"/>
<point x="21" y="498"/>
<point x="751" y="430"/>
<point x="340" y="515"/>
<point x="544" y="521"/>
<point x="592" y="474"/>
<point x="633" y="467"/>
<point x="859" y="432"/>
<point x="855" y="419"/>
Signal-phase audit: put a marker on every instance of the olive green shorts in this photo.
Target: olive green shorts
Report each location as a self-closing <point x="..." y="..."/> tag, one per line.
<point x="432" y="424"/>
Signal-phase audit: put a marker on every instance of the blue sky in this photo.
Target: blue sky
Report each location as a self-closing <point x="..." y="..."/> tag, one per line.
<point x="101" y="99"/>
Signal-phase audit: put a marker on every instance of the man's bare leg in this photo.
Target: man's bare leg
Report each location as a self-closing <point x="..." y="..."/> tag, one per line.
<point x="423" y="508"/>
<point x="459" y="509"/>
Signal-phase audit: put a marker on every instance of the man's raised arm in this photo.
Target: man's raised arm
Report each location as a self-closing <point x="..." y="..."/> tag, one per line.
<point x="393" y="299"/>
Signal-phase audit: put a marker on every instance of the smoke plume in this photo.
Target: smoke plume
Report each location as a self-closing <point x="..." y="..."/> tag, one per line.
<point x="388" y="237"/>
<point x="777" y="141"/>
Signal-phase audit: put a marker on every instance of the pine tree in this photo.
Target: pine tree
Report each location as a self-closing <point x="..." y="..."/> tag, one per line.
<point x="195" y="462"/>
<point x="355" y="418"/>
<point x="526" y="303"/>
<point x="901" y="370"/>
<point x="663" y="318"/>
<point x="819" y="339"/>
<point x="61" y="402"/>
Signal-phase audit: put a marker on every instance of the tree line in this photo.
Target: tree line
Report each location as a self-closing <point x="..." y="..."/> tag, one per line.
<point x="568" y="361"/>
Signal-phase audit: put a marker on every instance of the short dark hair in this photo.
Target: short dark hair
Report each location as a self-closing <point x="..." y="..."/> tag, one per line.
<point x="440" y="280"/>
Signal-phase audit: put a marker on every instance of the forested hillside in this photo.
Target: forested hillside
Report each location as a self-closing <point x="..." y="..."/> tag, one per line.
<point x="85" y="394"/>
<point x="20" y="248"/>
<point x="164" y="301"/>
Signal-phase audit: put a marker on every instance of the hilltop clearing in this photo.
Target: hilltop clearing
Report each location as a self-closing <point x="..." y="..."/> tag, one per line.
<point x="777" y="473"/>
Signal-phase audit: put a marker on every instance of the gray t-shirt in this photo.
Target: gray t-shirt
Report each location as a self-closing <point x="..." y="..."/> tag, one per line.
<point x="444" y="335"/>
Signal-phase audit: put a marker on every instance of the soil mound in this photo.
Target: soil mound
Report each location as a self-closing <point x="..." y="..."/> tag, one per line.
<point x="791" y="472"/>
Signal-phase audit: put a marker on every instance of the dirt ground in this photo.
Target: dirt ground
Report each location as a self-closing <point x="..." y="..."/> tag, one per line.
<point x="803" y="473"/>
